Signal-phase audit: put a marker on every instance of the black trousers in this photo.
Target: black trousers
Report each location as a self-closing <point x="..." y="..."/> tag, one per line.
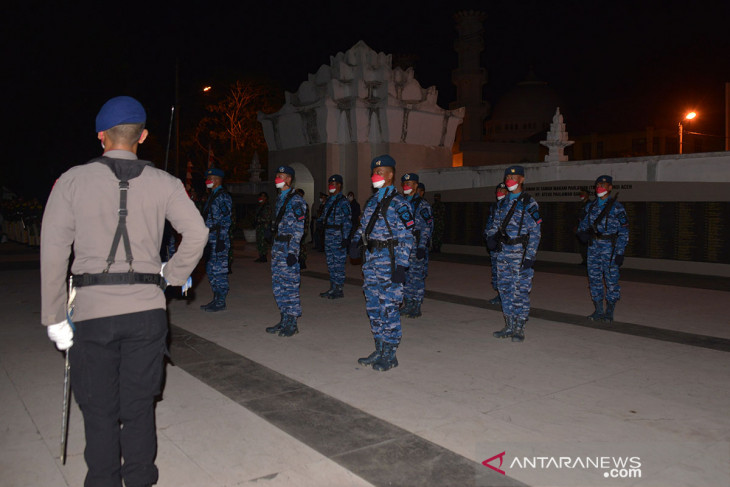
<point x="116" y="374"/>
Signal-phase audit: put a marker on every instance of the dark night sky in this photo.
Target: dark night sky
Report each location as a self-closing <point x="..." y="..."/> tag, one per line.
<point x="617" y="64"/>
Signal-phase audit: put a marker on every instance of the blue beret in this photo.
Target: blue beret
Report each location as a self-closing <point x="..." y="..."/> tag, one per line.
<point x="422" y="186"/>
<point x="409" y="176"/>
<point x="382" y="161"/>
<point x="285" y="170"/>
<point x="604" y="179"/>
<point x="214" y="171"/>
<point x="335" y="178"/>
<point x="120" y="110"/>
<point x="514" y="170"/>
<point x="500" y="186"/>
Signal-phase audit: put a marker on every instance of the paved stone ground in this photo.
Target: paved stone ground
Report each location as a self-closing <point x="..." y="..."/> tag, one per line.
<point x="242" y="407"/>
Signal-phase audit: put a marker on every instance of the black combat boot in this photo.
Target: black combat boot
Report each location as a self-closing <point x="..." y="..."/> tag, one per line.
<point x="289" y="327"/>
<point x="496" y="300"/>
<point x="373" y="357"/>
<point x="415" y="309"/>
<point x="277" y="327"/>
<point x="219" y="303"/>
<point x="336" y="292"/>
<point x="608" y="315"/>
<point x="205" y="307"/>
<point x="327" y="293"/>
<point x="519" y="333"/>
<point x="598" y="313"/>
<point x="406" y="308"/>
<point x="508" y="329"/>
<point x="387" y="359"/>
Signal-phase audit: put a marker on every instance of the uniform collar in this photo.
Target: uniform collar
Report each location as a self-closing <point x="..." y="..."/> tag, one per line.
<point x="382" y="192"/>
<point x="120" y="154"/>
<point x="514" y="196"/>
<point x="284" y="193"/>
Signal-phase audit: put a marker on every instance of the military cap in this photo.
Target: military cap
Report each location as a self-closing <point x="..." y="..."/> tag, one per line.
<point x="120" y="110"/>
<point x="409" y="176"/>
<point x="500" y="186"/>
<point x="214" y="171"/>
<point x="422" y="186"/>
<point x="382" y="161"/>
<point x="335" y="178"/>
<point x="514" y="171"/>
<point x="604" y="179"/>
<point x="286" y="170"/>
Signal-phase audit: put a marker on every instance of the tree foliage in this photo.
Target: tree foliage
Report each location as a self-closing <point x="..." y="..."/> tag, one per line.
<point x="231" y="129"/>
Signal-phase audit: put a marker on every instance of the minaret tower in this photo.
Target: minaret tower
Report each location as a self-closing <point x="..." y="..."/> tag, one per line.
<point x="469" y="77"/>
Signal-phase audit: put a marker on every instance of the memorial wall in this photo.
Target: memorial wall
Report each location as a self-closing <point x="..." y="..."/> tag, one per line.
<point x="670" y="219"/>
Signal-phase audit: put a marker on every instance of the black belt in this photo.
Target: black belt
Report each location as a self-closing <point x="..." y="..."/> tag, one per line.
<point x="335" y="227"/>
<point x="381" y="244"/>
<point x="282" y="238"/>
<point x="116" y="278"/>
<point x="613" y="236"/>
<point x="522" y="239"/>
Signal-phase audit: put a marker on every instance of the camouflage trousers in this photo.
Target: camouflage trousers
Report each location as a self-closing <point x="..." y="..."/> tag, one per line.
<point x="601" y="268"/>
<point x="415" y="286"/>
<point x="217" y="270"/>
<point x="382" y="297"/>
<point x="285" y="280"/>
<point x="336" y="257"/>
<point x="514" y="284"/>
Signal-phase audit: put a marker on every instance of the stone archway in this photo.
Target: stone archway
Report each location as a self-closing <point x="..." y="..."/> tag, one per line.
<point x="303" y="179"/>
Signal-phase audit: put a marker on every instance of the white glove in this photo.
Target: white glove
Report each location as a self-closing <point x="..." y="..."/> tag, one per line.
<point x="62" y="335"/>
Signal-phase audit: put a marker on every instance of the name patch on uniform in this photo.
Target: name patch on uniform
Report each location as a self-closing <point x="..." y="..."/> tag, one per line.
<point x="405" y="215"/>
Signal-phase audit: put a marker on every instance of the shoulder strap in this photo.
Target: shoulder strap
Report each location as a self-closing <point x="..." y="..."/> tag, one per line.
<point x="332" y="207"/>
<point x="604" y="212"/>
<point x="280" y="215"/>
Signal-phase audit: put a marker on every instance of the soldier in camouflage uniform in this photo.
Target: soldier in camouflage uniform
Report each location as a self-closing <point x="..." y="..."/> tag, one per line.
<point x="217" y="214"/>
<point x="500" y="192"/>
<point x="515" y="231"/>
<point x="386" y="237"/>
<point x="415" y="286"/>
<point x="337" y="222"/>
<point x="286" y="232"/>
<point x="262" y="221"/>
<point x="439" y="223"/>
<point x="605" y="229"/>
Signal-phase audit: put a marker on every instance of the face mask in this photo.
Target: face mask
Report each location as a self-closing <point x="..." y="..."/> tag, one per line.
<point x="279" y="182"/>
<point x="350" y="198"/>
<point x="500" y="196"/>
<point x="261" y="200"/>
<point x="407" y="189"/>
<point x="208" y="183"/>
<point x="332" y="188"/>
<point x="378" y="181"/>
<point x="511" y="184"/>
<point x="601" y="192"/>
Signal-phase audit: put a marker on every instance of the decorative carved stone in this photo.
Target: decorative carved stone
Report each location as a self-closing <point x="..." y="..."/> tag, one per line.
<point x="557" y="139"/>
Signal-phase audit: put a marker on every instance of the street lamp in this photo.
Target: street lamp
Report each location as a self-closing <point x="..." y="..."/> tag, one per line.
<point x="689" y="116"/>
<point x="205" y="89"/>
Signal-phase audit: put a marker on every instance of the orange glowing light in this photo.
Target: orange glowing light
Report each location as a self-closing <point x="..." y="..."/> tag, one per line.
<point x="690" y="116"/>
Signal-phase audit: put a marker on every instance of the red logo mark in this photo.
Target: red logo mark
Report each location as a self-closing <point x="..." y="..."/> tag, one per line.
<point x="500" y="456"/>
